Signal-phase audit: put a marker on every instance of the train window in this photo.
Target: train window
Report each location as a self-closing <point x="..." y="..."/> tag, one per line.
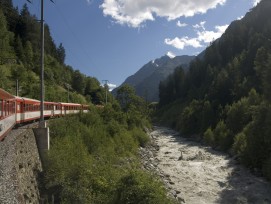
<point x="7" y="106"/>
<point x="4" y="108"/>
<point x="1" y="108"/>
<point x="12" y="107"/>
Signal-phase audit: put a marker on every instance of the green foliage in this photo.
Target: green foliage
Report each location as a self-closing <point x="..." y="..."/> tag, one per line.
<point x="6" y="38"/>
<point x="173" y="87"/>
<point x="140" y="136"/>
<point x="196" y="117"/>
<point x="93" y="158"/>
<point x="238" y="115"/>
<point x="190" y="118"/>
<point x="209" y="137"/>
<point x="135" y="108"/>
<point x="133" y="190"/>
<point x="78" y="82"/>
<point x="4" y="82"/>
<point x="67" y="175"/>
<point x="222" y="136"/>
<point x="267" y="169"/>
<point x="60" y="52"/>
<point x="240" y="144"/>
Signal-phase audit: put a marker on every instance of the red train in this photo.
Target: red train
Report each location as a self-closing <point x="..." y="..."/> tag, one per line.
<point x="15" y="110"/>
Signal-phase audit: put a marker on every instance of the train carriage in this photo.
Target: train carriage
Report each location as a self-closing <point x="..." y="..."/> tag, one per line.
<point x="70" y="108"/>
<point x="15" y="110"/>
<point x="27" y="109"/>
<point x="7" y="112"/>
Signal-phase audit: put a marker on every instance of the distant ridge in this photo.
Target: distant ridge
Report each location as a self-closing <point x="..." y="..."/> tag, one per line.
<point x="146" y="80"/>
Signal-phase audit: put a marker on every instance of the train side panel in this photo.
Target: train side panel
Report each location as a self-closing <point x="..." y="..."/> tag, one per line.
<point x="7" y="113"/>
<point x="6" y="124"/>
<point x="27" y="110"/>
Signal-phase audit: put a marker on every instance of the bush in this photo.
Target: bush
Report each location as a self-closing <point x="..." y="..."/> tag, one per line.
<point x="209" y="137"/>
<point x="267" y="169"/>
<point x="140" y="188"/>
<point x="222" y="136"/>
<point x="240" y="144"/>
<point x="67" y="177"/>
<point x="238" y="115"/>
<point x="140" y="136"/>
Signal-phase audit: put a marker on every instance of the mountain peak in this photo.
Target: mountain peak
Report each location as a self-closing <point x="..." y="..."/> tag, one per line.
<point x="146" y="80"/>
<point x="170" y="55"/>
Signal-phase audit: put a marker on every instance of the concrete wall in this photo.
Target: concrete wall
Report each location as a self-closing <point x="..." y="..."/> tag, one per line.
<point x="19" y="167"/>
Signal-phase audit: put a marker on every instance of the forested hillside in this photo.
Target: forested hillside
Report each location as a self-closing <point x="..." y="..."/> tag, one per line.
<point x="20" y="60"/>
<point x="225" y="97"/>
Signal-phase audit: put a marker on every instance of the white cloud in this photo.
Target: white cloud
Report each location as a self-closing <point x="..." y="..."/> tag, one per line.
<point x="179" y="24"/>
<point x="89" y="1"/>
<point x="239" y="18"/>
<point x="203" y="37"/>
<point x="111" y="86"/>
<point x="221" y="29"/>
<point x="180" y="43"/>
<point x="255" y="2"/>
<point x="170" y="54"/>
<point x="200" y="25"/>
<point x="135" y="12"/>
<point x="209" y="36"/>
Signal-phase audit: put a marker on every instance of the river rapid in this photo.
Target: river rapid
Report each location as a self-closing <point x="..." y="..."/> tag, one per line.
<point x="197" y="174"/>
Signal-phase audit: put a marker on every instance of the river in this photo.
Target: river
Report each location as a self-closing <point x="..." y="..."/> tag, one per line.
<point x="196" y="174"/>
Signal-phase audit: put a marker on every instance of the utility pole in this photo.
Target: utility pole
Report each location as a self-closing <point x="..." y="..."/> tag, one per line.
<point x="106" y="87"/>
<point x="42" y="89"/>
<point x="68" y="86"/>
<point x="17" y="87"/>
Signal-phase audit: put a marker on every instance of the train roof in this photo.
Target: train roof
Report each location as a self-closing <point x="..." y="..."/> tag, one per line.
<point x="74" y="104"/>
<point x="26" y="99"/>
<point x="5" y="95"/>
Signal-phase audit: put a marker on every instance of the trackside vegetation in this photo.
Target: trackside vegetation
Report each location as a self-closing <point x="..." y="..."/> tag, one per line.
<point x="94" y="156"/>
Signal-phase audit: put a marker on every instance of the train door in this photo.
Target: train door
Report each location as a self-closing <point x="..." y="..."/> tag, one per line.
<point x="1" y="108"/>
<point x="21" y="110"/>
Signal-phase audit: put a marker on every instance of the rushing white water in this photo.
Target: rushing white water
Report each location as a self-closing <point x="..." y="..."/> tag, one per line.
<point x="200" y="175"/>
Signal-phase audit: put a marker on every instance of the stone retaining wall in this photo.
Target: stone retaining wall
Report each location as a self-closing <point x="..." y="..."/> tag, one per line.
<point x="19" y="167"/>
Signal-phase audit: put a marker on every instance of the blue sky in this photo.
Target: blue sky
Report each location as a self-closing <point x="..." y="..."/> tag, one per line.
<point x="112" y="39"/>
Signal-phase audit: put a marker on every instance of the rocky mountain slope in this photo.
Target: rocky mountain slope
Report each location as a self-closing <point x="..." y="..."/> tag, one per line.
<point x="146" y="80"/>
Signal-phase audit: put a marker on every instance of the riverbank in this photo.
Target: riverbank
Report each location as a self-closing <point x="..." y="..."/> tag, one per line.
<point x="194" y="173"/>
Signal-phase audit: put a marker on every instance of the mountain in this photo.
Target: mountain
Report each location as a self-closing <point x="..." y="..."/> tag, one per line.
<point x="146" y="80"/>
<point x="224" y="98"/>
